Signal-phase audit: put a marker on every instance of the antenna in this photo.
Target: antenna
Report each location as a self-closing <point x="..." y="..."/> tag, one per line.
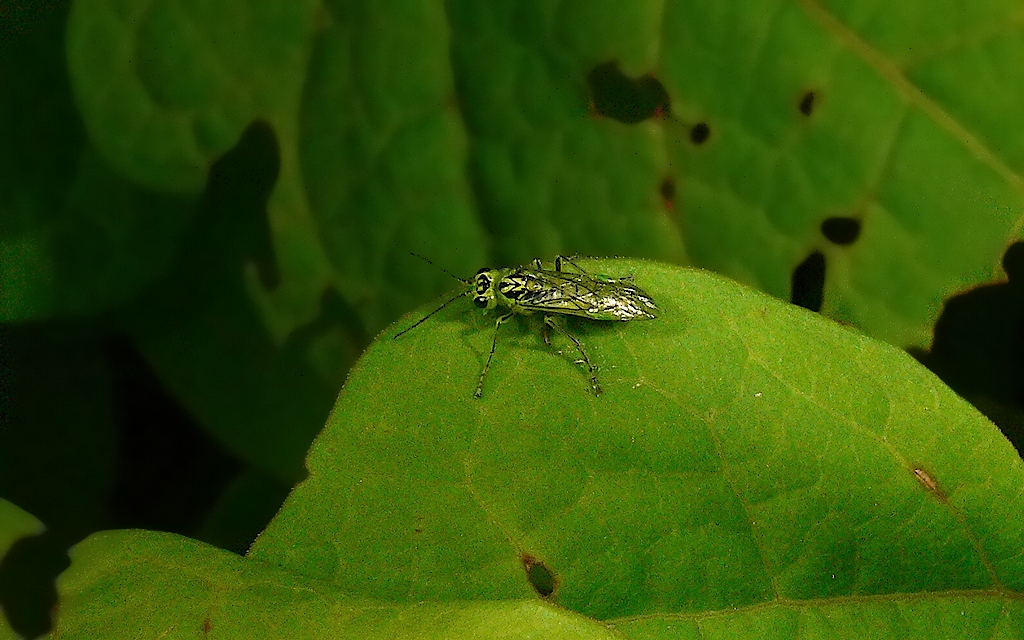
<point x="421" y="320"/>
<point x="462" y="280"/>
<point x="448" y="302"/>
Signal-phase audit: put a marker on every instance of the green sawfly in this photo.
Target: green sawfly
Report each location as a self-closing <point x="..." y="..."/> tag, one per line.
<point x="552" y="292"/>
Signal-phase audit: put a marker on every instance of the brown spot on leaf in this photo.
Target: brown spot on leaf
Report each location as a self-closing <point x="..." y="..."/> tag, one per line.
<point x="668" y="193"/>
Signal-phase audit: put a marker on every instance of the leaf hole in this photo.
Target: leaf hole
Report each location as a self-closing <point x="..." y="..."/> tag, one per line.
<point x="28" y="572"/>
<point x="841" y="230"/>
<point x="626" y="99"/>
<point x="808" y="285"/>
<point x="539" y="576"/>
<point x="700" y="133"/>
<point x="807" y="103"/>
<point x="1013" y="262"/>
<point x="978" y="347"/>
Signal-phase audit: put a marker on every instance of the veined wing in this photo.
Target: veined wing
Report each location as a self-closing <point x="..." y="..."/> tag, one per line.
<point x="578" y="294"/>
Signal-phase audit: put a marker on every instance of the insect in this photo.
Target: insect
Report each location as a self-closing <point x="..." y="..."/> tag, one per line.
<point x="534" y="289"/>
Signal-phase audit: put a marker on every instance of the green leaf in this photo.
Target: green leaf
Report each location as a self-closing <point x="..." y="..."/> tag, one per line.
<point x="137" y="584"/>
<point x="424" y="125"/>
<point x="745" y="454"/>
<point x="16" y="524"/>
<point x="165" y="88"/>
<point x="384" y="155"/>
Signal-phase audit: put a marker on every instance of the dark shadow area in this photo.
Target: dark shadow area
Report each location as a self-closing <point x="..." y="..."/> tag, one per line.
<point x="169" y="471"/>
<point x="808" y="284"/>
<point x="17" y="17"/>
<point x="166" y="471"/>
<point x="56" y="442"/>
<point x="841" y="231"/>
<point x="240" y="184"/>
<point x="625" y="99"/>
<point x="978" y="348"/>
<point x="27" y="574"/>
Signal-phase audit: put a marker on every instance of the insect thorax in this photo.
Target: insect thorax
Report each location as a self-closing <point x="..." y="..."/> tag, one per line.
<point x="502" y="287"/>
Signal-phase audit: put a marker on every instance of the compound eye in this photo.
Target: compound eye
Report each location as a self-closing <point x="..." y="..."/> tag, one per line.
<point x="483" y="282"/>
<point x="480" y="301"/>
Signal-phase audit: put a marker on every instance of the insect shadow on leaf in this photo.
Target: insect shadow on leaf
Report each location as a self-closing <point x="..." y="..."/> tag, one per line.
<point x="552" y="292"/>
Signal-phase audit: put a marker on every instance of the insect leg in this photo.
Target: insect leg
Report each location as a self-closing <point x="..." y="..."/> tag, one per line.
<point x="560" y="259"/>
<point x="545" y="332"/>
<point x="591" y="369"/>
<point x="487" y="365"/>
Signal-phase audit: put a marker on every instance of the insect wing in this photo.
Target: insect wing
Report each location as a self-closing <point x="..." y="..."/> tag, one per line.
<point x="579" y="294"/>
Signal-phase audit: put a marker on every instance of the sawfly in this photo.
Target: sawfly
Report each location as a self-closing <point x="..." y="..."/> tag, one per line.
<point x="533" y="289"/>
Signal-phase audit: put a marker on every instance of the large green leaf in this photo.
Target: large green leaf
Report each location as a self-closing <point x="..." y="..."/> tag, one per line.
<point x="137" y="584"/>
<point x="898" y="119"/>
<point x="495" y="132"/>
<point x="745" y="453"/>
<point x="750" y="468"/>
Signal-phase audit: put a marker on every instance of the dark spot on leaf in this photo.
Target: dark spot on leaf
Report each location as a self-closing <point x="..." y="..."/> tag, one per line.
<point x="807" y="103"/>
<point x="27" y="574"/>
<point x="668" y="192"/>
<point x="539" y="576"/>
<point x="809" y="282"/>
<point x="841" y="231"/>
<point x="206" y="625"/>
<point x="700" y="133"/>
<point x="625" y="99"/>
